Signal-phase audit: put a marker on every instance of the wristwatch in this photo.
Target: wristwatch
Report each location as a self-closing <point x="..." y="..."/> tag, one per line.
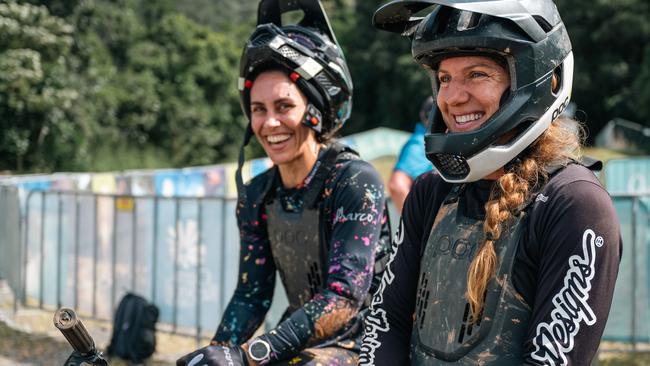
<point x="259" y="351"/>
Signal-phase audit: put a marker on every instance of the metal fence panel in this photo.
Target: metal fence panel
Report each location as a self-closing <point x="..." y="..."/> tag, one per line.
<point x="10" y="228"/>
<point x="628" y="181"/>
<point x="629" y="319"/>
<point x="87" y="251"/>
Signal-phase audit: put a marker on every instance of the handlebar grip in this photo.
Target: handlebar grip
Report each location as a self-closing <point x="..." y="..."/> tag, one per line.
<point x="66" y="320"/>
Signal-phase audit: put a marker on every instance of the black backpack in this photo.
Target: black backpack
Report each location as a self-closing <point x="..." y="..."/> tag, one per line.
<point x="134" y="329"/>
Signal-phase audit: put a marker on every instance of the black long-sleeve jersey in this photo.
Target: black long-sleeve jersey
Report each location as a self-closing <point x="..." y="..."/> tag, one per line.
<point x="571" y="213"/>
<point x="356" y="231"/>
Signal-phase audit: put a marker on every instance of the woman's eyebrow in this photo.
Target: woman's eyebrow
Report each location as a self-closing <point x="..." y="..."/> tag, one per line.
<point x="276" y="101"/>
<point x="282" y="100"/>
<point x="479" y="64"/>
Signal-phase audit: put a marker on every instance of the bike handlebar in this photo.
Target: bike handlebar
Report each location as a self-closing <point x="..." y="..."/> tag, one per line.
<point x="66" y="320"/>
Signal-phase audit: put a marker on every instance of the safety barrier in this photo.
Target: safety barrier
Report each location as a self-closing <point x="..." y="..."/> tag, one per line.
<point x="86" y="250"/>
<point x="629" y="318"/>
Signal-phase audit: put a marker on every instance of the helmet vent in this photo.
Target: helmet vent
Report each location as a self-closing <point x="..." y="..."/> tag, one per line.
<point x="262" y="39"/>
<point x="423" y="299"/>
<point x="326" y="83"/>
<point x="546" y="27"/>
<point x="468" y="20"/>
<point x="289" y="53"/>
<point x="453" y="166"/>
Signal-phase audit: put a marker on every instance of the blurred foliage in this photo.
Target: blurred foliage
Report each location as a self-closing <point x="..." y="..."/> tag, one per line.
<point x="117" y="84"/>
<point x="611" y="44"/>
<point x="114" y="85"/>
<point x="36" y="91"/>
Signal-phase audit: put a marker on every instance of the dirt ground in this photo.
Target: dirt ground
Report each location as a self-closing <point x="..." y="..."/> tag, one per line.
<point x="29" y="338"/>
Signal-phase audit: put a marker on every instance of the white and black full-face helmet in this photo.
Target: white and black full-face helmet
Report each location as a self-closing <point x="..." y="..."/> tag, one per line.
<point x="530" y="38"/>
<point x="308" y="52"/>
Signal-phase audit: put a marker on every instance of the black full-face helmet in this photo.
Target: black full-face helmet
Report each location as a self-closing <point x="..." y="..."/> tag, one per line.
<point x="308" y="52"/>
<point x="310" y="55"/>
<point x="531" y="40"/>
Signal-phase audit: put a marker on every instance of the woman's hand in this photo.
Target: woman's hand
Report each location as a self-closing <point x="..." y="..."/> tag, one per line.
<point x="215" y="355"/>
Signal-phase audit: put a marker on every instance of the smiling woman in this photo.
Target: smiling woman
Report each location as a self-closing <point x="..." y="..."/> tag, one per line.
<point x="318" y="216"/>
<point x="277" y="111"/>
<point x="496" y="261"/>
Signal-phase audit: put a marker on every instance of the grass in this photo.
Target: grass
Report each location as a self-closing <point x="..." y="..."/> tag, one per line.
<point x="43" y="349"/>
<point x="32" y="348"/>
<point x="40" y="349"/>
<point x="625" y="359"/>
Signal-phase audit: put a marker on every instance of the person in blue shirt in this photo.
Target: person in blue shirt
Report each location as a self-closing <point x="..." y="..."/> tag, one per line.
<point x="411" y="161"/>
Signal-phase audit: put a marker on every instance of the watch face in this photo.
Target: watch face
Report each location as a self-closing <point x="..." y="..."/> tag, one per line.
<point x="259" y="350"/>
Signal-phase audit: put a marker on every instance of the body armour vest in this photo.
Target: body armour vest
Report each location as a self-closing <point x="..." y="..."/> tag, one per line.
<point x="297" y="251"/>
<point x="443" y="331"/>
<point x="297" y="243"/>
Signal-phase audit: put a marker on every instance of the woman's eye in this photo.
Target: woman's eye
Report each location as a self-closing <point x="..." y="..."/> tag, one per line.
<point x="444" y="79"/>
<point x="284" y="107"/>
<point x="257" y="109"/>
<point x="477" y="74"/>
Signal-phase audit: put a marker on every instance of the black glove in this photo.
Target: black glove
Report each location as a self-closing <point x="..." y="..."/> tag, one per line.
<point x="214" y="356"/>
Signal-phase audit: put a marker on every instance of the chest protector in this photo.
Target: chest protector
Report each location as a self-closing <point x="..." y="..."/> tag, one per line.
<point x="298" y="244"/>
<point x="443" y="331"/>
<point x="297" y="251"/>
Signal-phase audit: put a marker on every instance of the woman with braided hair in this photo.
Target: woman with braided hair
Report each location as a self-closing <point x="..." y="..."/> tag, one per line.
<point x="508" y="254"/>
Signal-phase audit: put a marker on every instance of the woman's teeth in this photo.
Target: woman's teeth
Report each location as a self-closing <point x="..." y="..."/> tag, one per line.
<point x="274" y="139"/>
<point x="466" y="118"/>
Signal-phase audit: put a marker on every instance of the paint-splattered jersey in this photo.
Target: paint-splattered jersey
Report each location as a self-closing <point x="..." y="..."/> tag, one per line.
<point x="354" y="229"/>
<point x="568" y="289"/>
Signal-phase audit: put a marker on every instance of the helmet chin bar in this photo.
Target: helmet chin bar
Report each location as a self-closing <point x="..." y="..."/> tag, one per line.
<point x="494" y="157"/>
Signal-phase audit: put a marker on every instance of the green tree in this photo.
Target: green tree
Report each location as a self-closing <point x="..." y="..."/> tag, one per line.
<point x="220" y="15"/>
<point x="641" y="89"/>
<point x="388" y="85"/>
<point x="200" y="120"/>
<point x="37" y="128"/>
<point x="609" y="39"/>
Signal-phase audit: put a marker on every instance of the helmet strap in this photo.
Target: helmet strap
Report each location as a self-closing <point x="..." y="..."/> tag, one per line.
<point x="241" y="191"/>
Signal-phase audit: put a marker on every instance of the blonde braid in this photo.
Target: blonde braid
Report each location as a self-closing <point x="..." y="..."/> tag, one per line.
<point x="557" y="146"/>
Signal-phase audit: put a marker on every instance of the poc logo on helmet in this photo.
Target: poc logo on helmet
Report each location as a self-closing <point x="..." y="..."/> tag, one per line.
<point x="560" y="109"/>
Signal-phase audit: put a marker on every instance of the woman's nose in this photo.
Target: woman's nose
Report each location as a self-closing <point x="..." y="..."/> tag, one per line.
<point x="456" y="93"/>
<point x="271" y="121"/>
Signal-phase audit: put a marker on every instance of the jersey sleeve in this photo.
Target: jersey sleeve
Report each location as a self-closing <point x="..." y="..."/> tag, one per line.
<point x="255" y="284"/>
<point x="388" y="326"/>
<point x="579" y="246"/>
<point x="354" y="209"/>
